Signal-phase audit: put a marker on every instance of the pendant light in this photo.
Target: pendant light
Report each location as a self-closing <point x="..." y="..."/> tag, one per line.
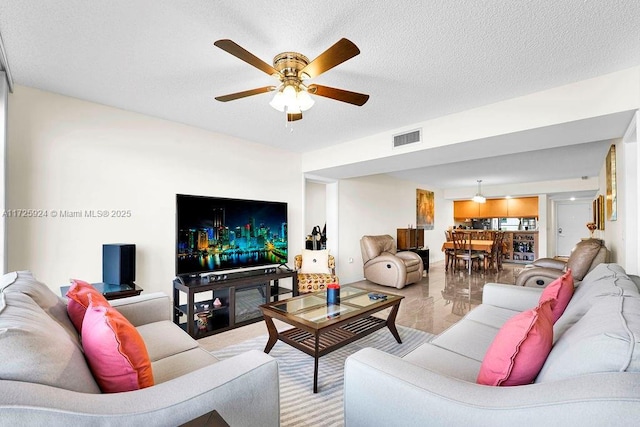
<point x="479" y="198"/>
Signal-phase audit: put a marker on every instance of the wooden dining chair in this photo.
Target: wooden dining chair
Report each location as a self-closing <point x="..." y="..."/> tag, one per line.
<point x="449" y="254"/>
<point x="494" y="258"/>
<point x="462" y="250"/>
<point x="487" y="235"/>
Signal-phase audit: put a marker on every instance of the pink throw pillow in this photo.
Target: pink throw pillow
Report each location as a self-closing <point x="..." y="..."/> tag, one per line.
<point x="78" y="301"/>
<point x="115" y="351"/>
<point x="560" y="292"/>
<point x="520" y="348"/>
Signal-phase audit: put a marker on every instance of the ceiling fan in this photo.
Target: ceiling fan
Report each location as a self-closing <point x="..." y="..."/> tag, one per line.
<point x="293" y="69"/>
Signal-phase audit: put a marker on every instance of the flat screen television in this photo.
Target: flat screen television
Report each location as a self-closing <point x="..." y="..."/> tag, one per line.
<point x="215" y="234"/>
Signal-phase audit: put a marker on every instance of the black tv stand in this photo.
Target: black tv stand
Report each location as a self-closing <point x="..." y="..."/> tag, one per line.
<point x="240" y="297"/>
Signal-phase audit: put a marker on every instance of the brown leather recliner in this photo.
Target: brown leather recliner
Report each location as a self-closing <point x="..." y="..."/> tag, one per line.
<point x="384" y="265"/>
<point x="584" y="257"/>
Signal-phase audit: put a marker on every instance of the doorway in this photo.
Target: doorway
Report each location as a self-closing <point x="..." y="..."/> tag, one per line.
<point x="572" y="218"/>
<point x="321" y="208"/>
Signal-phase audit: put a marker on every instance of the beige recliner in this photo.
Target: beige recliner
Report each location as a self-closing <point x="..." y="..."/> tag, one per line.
<point x="384" y="265"/>
<point x="584" y="257"/>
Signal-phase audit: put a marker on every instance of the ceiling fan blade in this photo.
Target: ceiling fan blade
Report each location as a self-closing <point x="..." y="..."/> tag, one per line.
<point x="343" y="50"/>
<point x="294" y="117"/>
<point x="354" y="98"/>
<point x="244" y="94"/>
<point x="248" y="57"/>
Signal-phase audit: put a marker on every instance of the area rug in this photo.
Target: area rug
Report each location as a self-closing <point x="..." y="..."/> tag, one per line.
<point x="299" y="406"/>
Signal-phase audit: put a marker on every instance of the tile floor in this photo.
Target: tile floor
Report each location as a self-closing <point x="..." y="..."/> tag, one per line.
<point x="438" y="301"/>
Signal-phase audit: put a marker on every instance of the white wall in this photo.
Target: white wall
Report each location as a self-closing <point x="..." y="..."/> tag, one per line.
<point x="381" y="204"/>
<point x="630" y="207"/>
<point x="67" y="154"/>
<point x="4" y="91"/>
<point x="622" y="236"/>
<point x="315" y="205"/>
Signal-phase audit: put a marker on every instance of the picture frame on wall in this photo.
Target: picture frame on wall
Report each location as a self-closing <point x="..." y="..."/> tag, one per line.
<point x="598" y="212"/>
<point x="612" y="191"/>
<point x="425" y="209"/>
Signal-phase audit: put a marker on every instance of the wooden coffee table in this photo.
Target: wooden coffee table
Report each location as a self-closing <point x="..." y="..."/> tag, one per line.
<point x="320" y="328"/>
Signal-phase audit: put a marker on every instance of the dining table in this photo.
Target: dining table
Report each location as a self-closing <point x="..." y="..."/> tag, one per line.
<point x="476" y="245"/>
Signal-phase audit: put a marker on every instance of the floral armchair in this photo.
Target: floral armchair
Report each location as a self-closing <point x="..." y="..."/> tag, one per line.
<point x="315" y="279"/>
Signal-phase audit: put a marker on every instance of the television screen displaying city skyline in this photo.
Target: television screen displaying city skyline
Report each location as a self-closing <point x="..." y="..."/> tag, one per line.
<point x="215" y="234"/>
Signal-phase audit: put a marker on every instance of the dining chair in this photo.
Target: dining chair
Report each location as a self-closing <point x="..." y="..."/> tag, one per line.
<point x="482" y="254"/>
<point x="494" y="258"/>
<point x="462" y="250"/>
<point x="449" y="254"/>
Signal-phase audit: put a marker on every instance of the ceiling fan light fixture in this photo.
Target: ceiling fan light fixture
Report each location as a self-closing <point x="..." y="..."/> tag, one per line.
<point x="278" y="101"/>
<point x="479" y="198"/>
<point x="292" y="69"/>
<point x="304" y="100"/>
<point x="290" y="96"/>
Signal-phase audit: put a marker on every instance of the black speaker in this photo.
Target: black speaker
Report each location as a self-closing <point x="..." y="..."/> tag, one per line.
<point x="119" y="264"/>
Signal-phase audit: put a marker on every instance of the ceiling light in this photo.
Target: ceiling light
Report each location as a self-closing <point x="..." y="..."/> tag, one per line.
<point x="292" y="98"/>
<point x="278" y="101"/>
<point x="304" y="100"/>
<point x="479" y="198"/>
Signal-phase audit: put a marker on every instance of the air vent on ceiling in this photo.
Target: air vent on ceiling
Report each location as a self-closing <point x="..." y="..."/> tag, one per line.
<point x="403" y="139"/>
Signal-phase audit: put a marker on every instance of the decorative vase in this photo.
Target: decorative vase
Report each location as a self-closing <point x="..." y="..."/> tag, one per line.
<point x="203" y="320"/>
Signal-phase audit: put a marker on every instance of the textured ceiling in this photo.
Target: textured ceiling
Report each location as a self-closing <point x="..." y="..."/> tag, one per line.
<point x="419" y="59"/>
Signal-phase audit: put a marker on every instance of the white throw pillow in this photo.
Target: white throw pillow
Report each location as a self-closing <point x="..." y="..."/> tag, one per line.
<point x="315" y="261"/>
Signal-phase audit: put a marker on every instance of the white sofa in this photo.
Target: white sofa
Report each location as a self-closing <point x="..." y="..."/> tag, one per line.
<point x="45" y="380"/>
<point x="590" y="378"/>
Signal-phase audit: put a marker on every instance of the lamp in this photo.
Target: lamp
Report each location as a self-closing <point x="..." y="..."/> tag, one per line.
<point x="479" y="198"/>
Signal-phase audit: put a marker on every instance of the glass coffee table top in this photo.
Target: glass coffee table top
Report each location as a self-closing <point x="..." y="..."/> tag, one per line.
<point x="314" y="307"/>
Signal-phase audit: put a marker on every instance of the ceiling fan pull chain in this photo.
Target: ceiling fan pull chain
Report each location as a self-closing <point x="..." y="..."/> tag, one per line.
<point x="287" y="121"/>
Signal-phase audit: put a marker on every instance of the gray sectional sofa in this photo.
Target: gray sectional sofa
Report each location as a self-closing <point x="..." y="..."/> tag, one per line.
<point x="45" y="380"/>
<point x="590" y="378"/>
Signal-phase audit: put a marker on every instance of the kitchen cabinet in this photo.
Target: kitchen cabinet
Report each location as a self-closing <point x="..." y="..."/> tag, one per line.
<point x="522" y="207"/>
<point x="464" y="209"/>
<point x="493" y="208"/>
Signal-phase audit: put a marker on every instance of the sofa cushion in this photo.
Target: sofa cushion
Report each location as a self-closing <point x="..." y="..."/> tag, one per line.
<point x="444" y="361"/>
<point x="490" y="315"/>
<point x="115" y="351"/>
<point x="35" y="349"/>
<point x="24" y="282"/>
<point x="164" y="339"/>
<point x="467" y="338"/>
<point x="604" y="280"/>
<point x="78" y="301"/>
<point x="559" y="292"/>
<point x="181" y="363"/>
<point x="605" y="339"/>
<point x="519" y="349"/>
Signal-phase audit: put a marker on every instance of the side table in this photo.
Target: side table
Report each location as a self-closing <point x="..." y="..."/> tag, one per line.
<point x="111" y="291"/>
<point x="424" y="254"/>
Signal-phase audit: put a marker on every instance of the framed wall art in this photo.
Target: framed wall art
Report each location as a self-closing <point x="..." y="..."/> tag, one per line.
<point x="598" y="212"/>
<point x="425" y="209"/>
<point x="612" y="202"/>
